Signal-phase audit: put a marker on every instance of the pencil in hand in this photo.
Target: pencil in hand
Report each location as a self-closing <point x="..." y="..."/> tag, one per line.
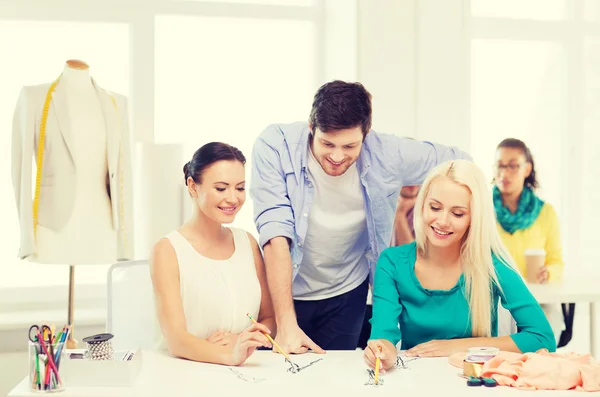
<point x="294" y="366"/>
<point x="268" y="336"/>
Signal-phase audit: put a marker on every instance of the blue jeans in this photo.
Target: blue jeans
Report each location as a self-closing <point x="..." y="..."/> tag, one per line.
<point x="334" y="323"/>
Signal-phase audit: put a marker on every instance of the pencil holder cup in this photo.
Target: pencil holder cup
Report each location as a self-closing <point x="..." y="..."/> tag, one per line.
<point x="44" y="367"/>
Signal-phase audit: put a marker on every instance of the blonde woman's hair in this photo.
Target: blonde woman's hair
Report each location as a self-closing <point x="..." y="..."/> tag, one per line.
<point x="480" y="240"/>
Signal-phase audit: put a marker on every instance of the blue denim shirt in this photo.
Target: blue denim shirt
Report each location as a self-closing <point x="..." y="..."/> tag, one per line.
<point x="282" y="193"/>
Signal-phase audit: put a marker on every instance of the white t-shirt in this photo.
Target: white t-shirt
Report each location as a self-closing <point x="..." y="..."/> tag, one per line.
<point x="336" y="239"/>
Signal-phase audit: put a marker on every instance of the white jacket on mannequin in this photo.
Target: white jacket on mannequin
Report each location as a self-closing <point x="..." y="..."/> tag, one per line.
<point x="58" y="182"/>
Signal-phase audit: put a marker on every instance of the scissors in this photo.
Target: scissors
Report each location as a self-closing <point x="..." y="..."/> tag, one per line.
<point x="36" y="334"/>
<point x="35" y="331"/>
<point x="45" y="346"/>
<point x="40" y="331"/>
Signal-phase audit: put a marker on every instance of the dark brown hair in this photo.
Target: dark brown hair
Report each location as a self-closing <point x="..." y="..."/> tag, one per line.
<point x="514" y="143"/>
<point x="339" y="105"/>
<point x="208" y="155"/>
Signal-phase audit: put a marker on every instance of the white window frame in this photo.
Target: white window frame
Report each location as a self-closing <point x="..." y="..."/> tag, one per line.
<point x="140" y="15"/>
<point x="570" y="32"/>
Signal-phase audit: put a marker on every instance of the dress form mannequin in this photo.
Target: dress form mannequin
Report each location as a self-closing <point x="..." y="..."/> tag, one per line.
<point x="88" y="237"/>
<point x="81" y="212"/>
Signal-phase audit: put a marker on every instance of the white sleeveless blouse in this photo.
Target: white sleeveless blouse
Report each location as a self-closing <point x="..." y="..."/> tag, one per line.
<point x="217" y="294"/>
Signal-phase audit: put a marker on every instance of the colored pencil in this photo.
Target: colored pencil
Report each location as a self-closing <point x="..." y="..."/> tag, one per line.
<point x="377" y="364"/>
<point x="269" y="338"/>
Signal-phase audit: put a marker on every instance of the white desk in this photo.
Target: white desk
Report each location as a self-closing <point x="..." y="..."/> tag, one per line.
<point x="583" y="289"/>
<point x="340" y="373"/>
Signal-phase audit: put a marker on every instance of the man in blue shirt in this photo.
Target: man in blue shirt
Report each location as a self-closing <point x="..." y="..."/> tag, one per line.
<point x="325" y="195"/>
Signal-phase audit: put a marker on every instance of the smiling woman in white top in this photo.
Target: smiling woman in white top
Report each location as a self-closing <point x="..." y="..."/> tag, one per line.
<point x="208" y="277"/>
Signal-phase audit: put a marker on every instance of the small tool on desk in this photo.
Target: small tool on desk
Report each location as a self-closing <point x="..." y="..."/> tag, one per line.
<point x="293" y="367"/>
<point x="377" y="364"/>
<point x="99" y="347"/>
<point x="479" y="381"/>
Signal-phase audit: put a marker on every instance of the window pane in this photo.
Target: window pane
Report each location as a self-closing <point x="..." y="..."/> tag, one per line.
<point x="517" y="91"/>
<point x="37" y="56"/>
<point x="592" y="10"/>
<point x="234" y="78"/>
<point x="590" y="200"/>
<point x="521" y="9"/>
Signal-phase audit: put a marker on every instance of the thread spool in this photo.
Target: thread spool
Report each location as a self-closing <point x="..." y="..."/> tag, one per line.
<point x="472" y="369"/>
<point x="481" y="354"/>
<point x="99" y="347"/>
<point x="476" y="357"/>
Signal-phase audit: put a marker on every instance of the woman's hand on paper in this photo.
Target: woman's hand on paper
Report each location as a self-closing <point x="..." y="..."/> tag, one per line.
<point x="247" y="341"/>
<point x="387" y="355"/>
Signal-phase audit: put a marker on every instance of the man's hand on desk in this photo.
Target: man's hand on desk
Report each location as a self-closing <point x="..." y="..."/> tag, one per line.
<point x="293" y="340"/>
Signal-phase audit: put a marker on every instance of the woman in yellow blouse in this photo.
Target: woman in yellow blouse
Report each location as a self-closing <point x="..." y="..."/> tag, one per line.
<point x="524" y="220"/>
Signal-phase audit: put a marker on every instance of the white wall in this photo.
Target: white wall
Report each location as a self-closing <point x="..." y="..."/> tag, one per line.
<point x="411" y="58"/>
<point x="386" y="63"/>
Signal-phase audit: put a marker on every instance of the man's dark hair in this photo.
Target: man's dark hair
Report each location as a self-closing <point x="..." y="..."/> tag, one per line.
<point x="339" y="105"/>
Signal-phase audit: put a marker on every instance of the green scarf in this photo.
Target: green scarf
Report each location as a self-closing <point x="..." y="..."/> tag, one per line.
<point x="527" y="212"/>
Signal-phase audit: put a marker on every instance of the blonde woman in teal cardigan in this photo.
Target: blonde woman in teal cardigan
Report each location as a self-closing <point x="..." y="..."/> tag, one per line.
<point x="439" y="295"/>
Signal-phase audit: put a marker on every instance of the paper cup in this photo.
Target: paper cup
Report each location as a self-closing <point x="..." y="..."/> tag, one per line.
<point x="534" y="259"/>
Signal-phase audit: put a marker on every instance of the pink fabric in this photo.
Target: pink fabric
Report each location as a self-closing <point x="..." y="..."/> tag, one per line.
<point x="541" y="370"/>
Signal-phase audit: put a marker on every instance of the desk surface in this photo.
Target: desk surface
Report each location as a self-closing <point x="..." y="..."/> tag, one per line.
<point x="583" y="289"/>
<point x="339" y="373"/>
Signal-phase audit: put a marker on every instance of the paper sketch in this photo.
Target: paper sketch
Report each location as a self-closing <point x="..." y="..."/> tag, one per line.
<point x="295" y="368"/>
<point x="246" y="378"/>
<point x="401" y="363"/>
<point x="371" y="380"/>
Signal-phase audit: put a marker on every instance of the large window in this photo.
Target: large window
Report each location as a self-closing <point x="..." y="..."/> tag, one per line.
<point x="535" y="75"/>
<point x="590" y="197"/>
<point x="194" y="71"/>
<point x="517" y="92"/>
<point x="230" y="89"/>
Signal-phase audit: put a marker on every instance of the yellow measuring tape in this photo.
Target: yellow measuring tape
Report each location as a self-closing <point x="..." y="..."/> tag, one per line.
<point x="40" y="156"/>
<point x="40" y="159"/>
